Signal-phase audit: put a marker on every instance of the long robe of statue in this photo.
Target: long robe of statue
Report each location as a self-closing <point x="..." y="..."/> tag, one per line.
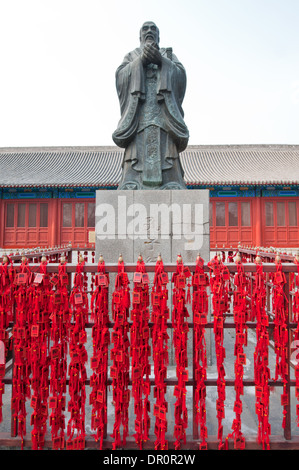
<point x="151" y="85"/>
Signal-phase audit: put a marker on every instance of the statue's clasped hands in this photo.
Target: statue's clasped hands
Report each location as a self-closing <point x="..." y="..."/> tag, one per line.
<point x="151" y="54"/>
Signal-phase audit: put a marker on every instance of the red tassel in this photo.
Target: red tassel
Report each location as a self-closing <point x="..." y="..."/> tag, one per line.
<point x="200" y="311"/>
<point x="99" y="360"/>
<point x="140" y="350"/>
<point x="60" y="334"/>
<point x="78" y="354"/>
<point x="219" y="284"/>
<point x="160" y="315"/>
<point x="119" y="371"/>
<point x="180" y="337"/>
<point x="280" y="309"/>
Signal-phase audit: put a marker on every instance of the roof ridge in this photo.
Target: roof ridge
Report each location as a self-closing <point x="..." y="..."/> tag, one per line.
<point x="65" y="148"/>
<point x="103" y="148"/>
<point x="242" y="146"/>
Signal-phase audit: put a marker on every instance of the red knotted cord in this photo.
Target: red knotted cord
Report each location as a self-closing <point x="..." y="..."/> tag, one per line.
<point x="140" y="352"/>
<point x="296" y="333"/>
<point x="200" y="281"/>
<point x="180" y="338"/>
<point x="160" y="315"/>
<point x="38" y="357"/>
<point x="60" y="334"/>
<point x="78" y="359"/>
<point x="99" y="360"/>
<point x="219" y="284"/>
<point x="261" y="356"/>
<point x="280" y="333"/>
<point x="119" y="371"/>
<point x="240" y="309"/>
<point x="6" y="316"/>
<point x="21" y="344"/>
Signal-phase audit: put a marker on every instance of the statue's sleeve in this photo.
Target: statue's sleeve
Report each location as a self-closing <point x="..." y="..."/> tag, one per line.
<point x="173" y="79"/>
<point x="130" y="88"/>
<point x="129" y="79"/>
<point x="172" y="89"/>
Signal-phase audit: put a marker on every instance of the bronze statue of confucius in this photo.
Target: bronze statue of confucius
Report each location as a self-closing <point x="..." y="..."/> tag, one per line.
<point x="151" y="85"/>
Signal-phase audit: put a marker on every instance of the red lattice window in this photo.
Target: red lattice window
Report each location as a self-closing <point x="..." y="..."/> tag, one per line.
<point x="26" y="224"/>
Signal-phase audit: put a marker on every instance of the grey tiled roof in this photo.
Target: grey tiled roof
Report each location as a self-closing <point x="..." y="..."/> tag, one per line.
<point x="242" y="164"/>
<point x="101" y="166"/>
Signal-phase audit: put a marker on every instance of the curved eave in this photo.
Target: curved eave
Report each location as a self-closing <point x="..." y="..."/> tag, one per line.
<point x="66" y="185"/>
<point x="243" y="183"/>
<point x="190" y="184"/>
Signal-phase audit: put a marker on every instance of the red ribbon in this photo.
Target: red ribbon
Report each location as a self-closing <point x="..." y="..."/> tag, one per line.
<point x="160" y="315"/>
<point x="21" y="344"/>
<point x="78" y="355"/>
<point x="140" y="352"/>
<point x="60" y="335"/>
<point x="261" y="357"/>
<point x="240" y="309"/>
<point x="200" y="281"/>
<point x="119" y="371"/>
<point x="219" y="284"/>
<point x="180" y="337"/>
<point x="38" y="354"/>
<point x="296" y="333"/>
<point x="99" y="361"/>
<point x="6" y="316"/>
<point x="280" y="333"/>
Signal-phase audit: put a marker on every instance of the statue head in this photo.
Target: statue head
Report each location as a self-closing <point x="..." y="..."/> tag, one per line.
<point x="149" y="33"/>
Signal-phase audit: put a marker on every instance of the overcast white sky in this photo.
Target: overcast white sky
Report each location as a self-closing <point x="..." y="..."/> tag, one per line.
<point x="58" y="60"/>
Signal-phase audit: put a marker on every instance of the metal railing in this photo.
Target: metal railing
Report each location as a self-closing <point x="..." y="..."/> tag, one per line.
<point x="284" y="440"/>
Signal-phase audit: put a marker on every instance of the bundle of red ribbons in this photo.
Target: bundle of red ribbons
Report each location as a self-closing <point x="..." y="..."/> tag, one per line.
<point x="295" y="288"/>
<point x="200" y="282"/>
<point x="219" y="285"/>
<point x="180" y="280"/>
<point x="140" y="352"/>
<point x="78" y="359"/>
<point x="280" y="333"/>
<point x="240" y="310"/>
<point x="21" y="339"/>
<point x="60" y="335"/>
<point x="6" y="316"/>
<point x="160" y="315"/>
<point x="261" y="355"/>
<point x="99" y="360"/>
<point x="38" y="354"/>
<point x="120" y="368"/>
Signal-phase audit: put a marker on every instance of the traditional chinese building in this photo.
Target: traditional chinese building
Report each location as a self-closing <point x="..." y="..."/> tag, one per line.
<point x="47" y="195"/>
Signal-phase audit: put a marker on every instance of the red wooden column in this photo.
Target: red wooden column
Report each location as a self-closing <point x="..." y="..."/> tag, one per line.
<point x="2" y="223"/>
<point x="258" y="222"/>
<point x="54" y="223"/>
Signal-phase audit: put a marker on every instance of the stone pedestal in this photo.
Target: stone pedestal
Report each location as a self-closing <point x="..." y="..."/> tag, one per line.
<point x="150" y="223"/>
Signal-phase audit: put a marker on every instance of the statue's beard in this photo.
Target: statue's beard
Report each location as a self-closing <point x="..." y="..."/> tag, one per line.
<point x="150" y="40"/>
